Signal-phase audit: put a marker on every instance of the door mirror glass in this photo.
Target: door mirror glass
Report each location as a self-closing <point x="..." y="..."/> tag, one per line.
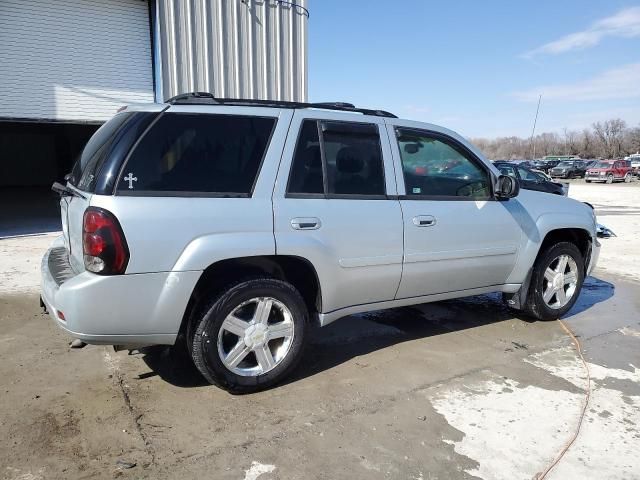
<point x="507" y="187"/>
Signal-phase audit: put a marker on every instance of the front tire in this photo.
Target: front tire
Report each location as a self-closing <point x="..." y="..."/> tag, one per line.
<point x="556" y="281"/>
<point x="609" y="179"/>
<point x="252" y="336"/>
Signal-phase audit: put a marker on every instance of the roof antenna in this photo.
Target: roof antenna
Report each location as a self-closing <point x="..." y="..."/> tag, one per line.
<point x="531" y="142"/>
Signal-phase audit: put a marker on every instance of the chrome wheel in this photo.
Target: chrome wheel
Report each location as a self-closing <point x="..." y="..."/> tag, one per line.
<point x="560" y="282"/>
<point x="256" y="336"/>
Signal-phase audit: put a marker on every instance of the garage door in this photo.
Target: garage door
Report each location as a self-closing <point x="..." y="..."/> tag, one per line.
<point x="73" y="60"/>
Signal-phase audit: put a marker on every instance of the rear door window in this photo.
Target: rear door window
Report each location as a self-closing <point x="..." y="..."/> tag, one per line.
<point x="338" y="159"/>
<point x="198" y="153"/>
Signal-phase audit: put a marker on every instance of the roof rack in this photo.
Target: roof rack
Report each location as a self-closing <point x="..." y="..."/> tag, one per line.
<point x="206" y="98"/>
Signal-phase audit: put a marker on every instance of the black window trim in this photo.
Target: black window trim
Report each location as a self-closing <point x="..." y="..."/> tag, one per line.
<point x="193" y="193"/>
<point x="456" y="145"/>
<point x="325" y="180"/>
<point x="132" y="149"/>
<point x="108" y="160"/>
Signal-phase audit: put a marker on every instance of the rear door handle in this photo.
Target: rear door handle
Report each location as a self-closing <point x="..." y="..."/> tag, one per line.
<point x="305" y="223"/>
<point x="424" y="220"/>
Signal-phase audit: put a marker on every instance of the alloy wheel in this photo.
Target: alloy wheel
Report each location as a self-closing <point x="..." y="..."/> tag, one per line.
<point x="256" y="336"/>
<point x="560" y="282"/>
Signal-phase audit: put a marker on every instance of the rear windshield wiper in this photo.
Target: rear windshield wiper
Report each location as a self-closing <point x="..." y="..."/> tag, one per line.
<point x="65" y="191"/>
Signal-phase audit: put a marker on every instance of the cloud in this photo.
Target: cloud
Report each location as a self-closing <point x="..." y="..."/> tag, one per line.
<point x="622" y="82"/>
<point x="625" y="24"/>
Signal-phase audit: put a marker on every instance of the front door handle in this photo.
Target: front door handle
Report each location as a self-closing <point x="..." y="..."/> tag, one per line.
<point x="305" y="223"/>
<point x="424" y="220"/>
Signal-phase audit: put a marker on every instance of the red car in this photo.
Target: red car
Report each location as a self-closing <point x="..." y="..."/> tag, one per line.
<point x="609" y="171"/>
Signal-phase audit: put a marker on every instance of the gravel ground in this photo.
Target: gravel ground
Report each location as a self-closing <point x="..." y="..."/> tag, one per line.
<point x="617" y="207"/>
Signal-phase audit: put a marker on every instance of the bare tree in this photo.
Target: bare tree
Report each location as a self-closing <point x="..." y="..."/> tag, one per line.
<point x="571" y="146"/>
<point x="633" y="140"/>
<point x="609" y="135"/>
<point x="587" y="144"/>
<point x="609" y="139"/>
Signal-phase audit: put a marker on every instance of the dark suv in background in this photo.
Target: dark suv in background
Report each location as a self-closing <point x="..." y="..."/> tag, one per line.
<point x="545" y="165"/>
<point x="569" y="169"/>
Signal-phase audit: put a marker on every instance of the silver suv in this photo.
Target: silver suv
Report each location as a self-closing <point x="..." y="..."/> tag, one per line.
<point x="233" y="226"/>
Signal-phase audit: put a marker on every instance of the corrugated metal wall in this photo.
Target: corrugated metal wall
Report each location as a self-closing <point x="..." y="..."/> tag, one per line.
<point x="232" y="48"/>
<point x="73" y="60"/>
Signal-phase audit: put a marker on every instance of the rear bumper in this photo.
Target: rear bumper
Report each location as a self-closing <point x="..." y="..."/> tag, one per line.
<point x="141" y="309"/>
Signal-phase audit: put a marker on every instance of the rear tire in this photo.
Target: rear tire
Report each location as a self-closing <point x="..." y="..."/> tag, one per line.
<point x="587" y="181"/>
<point x="556" y="282"/>
<point x="251" y="336"/>
<point x="627" y="178"/>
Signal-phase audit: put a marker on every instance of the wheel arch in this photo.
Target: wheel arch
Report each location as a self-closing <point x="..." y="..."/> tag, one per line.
<point x="296" y="270"/>
<point x="579" y="236"/>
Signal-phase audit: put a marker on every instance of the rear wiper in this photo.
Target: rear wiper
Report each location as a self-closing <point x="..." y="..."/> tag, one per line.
<point x="65" y="191"/>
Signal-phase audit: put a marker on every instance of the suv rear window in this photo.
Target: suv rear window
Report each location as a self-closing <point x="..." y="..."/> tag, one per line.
<point x="198" y="153"/>
<point x="84" y="171"/>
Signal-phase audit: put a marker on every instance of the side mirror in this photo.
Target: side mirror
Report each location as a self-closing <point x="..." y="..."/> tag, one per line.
<point x="507" y="187"/>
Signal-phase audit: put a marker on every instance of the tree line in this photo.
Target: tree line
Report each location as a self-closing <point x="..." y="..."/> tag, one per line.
<point x="608" y="139"/>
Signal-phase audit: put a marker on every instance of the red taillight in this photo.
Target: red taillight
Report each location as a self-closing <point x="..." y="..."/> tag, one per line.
<point x="105" y="248"/>
<point x="94" y="244"/>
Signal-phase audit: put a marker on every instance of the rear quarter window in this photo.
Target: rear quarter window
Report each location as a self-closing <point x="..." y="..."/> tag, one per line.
<point x="83" y="174"/>
<point x="198" y="153"/>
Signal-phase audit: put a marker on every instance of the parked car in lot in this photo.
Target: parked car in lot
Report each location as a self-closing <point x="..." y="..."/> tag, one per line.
<point x="531" y="180"/>
<point x="569" y="169"/>
<point x="609" y="171"/>
<point x="233" y="226"/>
<point x="634" y="158"/>
<point x="545" y="165"/>
<point x="590" y="163"/>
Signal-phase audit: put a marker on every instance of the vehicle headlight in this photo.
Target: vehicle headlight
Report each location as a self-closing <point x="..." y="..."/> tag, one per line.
<point x="603" y="173"/>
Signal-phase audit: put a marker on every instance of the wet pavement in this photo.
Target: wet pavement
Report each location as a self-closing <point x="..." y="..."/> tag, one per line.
<point x="455" y="389"/>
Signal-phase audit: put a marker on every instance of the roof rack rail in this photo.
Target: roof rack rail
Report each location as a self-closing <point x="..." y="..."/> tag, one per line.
<point x="206" y="98"/>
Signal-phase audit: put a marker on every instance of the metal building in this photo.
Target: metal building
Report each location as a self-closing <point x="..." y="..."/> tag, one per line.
<point x="66" y="66"/>
<point x="233" y="48"/>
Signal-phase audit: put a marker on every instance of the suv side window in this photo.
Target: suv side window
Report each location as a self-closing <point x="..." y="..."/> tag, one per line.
<point x="337" y="159"/>
<point x="507" y="170"/>
<point x="436" y="166"/>
<point x="198" y="153"/>
<point x="306" y="170"/>
<point x="527" y="175"/>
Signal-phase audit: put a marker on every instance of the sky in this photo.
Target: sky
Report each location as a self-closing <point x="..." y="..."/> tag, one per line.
<point x="478" y="67"/>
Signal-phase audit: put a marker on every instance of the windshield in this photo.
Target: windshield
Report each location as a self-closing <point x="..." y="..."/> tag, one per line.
<point x="601" y="165"/>
<point x="565" y="164"/>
